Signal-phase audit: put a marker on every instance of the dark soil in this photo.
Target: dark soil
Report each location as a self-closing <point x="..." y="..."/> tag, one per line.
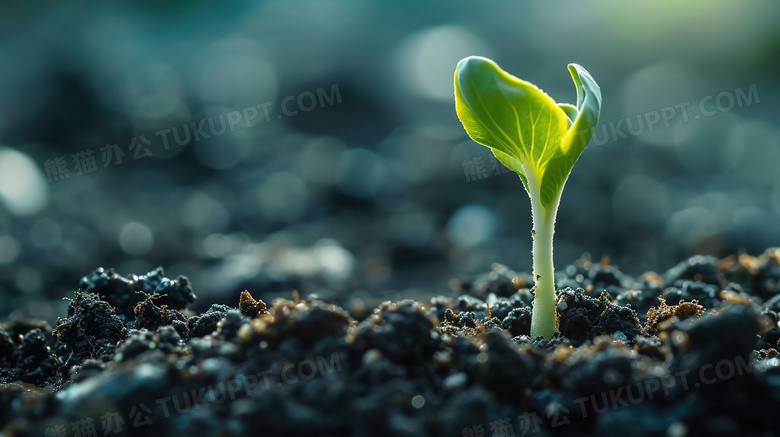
<point x="692" y="352"/>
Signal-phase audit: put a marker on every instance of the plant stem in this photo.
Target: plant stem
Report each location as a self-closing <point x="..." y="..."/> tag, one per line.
<point x="543" y="318"/>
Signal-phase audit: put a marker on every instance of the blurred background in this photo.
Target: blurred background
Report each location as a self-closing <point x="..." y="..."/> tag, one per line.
<point x="313" y="145"/>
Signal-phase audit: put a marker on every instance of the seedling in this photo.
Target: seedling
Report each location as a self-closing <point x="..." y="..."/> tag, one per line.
<point x="536" y="138"/>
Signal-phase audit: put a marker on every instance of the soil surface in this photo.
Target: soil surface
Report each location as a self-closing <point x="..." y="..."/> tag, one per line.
<point x="690" y="352"/>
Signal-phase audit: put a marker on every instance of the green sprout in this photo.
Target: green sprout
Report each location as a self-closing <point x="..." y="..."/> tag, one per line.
<point x="536" y="138"/>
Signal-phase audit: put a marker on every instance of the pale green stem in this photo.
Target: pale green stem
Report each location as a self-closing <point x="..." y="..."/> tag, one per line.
<point x="543" y="317"/>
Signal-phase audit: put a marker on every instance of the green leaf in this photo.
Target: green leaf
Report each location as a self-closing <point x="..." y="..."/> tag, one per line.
<point x="526" y="129"/>
<point x="576" y="138"/>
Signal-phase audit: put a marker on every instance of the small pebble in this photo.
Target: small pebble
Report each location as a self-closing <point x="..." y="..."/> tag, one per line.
<point x="245" y="333"/>
<point x="455" y="382"/>
<point x="371" y="355"/>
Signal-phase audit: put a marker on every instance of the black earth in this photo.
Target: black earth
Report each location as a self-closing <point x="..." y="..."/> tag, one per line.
<point x="692" y="352"/>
